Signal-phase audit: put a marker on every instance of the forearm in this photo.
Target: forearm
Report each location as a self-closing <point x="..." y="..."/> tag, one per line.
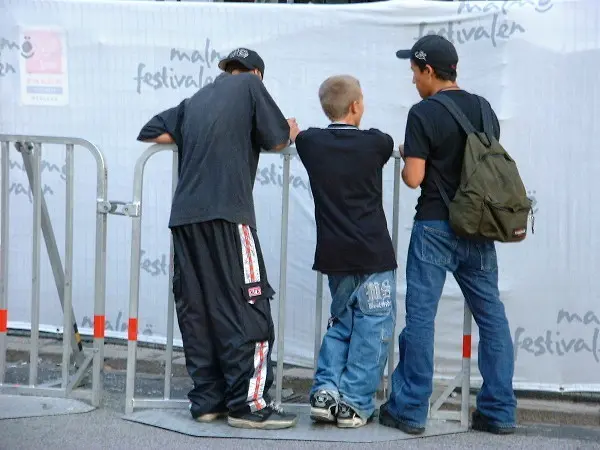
<point x="413" y="171"/>
<point x="164" y="138"/>
<point x="407" y="180"/>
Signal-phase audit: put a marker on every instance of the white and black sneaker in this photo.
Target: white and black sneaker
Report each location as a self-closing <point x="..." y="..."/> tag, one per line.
<point x="348" y="418"/>
<point x="323" y="407"/>
<point x="270" y="418"/>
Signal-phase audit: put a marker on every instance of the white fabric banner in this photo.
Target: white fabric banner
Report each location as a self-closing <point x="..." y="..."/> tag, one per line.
<point x="100" y="69"/>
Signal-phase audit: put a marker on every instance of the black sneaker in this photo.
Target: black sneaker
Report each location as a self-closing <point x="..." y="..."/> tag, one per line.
<point x="219" y="413"/>
<point x="387" y="420"/>
<point x="323" y="407"/>
<point x="482" y="423"/>
<point x="270" y="418"/>
<point x="348" y="418"/>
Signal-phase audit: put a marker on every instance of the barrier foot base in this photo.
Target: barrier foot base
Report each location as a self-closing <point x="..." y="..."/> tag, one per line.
<point x="20" y="406"/>
<point x="180" y="421"/>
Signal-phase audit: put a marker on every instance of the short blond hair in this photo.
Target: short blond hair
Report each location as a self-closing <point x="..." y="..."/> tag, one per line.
<point x="337" y="93"/>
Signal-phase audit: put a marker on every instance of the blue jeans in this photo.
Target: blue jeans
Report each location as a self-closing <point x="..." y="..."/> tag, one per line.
<point x="434" y="250"/>
<point x="355" y="348"/>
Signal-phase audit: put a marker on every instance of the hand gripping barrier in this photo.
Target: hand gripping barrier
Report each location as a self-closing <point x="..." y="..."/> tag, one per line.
<point x="134" y="210"/>
<point x="30" y="148"/>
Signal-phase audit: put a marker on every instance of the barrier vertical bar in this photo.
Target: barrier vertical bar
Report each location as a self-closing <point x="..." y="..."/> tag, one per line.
<point x="466" y="369"/>
<point x="68" y="286"/>
<point x="134" y="277"/>
<point x="4" y="248"/>
<point x="35" y="266"/>
<point x="318" y="320"/>
<point x="285" y="200"/>
<point x="395" y="232"/>
<point x="99" y="278"/>
<point x="136" y="239"/>
<point x="171" y="301"/>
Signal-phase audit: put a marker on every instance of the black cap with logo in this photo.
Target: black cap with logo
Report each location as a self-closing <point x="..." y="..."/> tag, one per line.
<point x="434" y="50"/>
<point x="246" y="57"/>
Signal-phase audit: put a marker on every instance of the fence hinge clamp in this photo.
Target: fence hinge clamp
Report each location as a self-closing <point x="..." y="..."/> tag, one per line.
<point x="119" y="208"/>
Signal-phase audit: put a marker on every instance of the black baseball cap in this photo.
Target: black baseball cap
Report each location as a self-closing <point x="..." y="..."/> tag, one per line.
<point x="434" y="50"/>
<point x="246" y="57"/>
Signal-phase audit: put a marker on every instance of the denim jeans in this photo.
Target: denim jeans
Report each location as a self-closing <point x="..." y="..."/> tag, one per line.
<point x="355" y="348"/>
<point x="434" y="249"/>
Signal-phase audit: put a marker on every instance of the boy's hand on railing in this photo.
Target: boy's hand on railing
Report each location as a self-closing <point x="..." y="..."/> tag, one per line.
<point x="294" y="129"/>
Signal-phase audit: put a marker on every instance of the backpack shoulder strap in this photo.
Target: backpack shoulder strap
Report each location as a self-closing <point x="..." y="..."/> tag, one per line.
<point x="438" y="182"/>
<point x="486" y="118"/>
<point x="455" y="111"/>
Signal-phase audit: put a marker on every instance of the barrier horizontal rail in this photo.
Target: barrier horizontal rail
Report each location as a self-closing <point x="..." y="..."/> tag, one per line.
<point x="134" y="210"/>
<point x="30" y="148"/>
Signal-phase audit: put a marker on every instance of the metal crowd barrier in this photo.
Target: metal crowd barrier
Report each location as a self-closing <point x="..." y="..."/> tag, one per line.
<point x="134" y="210"/>
<point x="30" y="148"/>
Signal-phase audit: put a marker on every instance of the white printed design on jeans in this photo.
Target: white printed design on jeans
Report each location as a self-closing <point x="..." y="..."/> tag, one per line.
<point x="379" y="294"/>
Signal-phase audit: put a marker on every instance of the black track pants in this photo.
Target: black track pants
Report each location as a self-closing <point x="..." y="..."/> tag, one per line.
<point x="222" y="299"/>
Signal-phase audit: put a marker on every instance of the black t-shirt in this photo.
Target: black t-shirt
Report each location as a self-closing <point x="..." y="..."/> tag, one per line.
<point x="344" y="166"/>
<point x="433" y="134"/>
<point x="220" y="131"/>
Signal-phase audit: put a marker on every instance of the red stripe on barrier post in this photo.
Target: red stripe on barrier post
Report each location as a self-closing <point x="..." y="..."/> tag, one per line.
<point x="132" y="330"/>
<point x="466" y="346"/>
<point x="3" y="320"/>
<point x="99" y="327"/>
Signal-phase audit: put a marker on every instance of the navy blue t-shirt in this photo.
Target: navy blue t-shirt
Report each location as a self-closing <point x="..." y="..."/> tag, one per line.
<point x="220" y="132"/>
<point x="344" y="166"/>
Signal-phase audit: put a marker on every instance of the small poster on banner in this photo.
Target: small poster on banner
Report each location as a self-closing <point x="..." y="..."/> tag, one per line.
<point x="43" y="67"/>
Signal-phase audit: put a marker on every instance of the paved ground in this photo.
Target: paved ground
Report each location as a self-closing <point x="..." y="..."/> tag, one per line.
<point x="533" y="407"/>
<point x="104" y="428"/>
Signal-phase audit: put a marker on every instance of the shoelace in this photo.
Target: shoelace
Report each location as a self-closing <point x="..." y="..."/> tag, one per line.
<point x="322" y="398"/>
<point x="276" y="408"/>
<point x="346" y="410"/>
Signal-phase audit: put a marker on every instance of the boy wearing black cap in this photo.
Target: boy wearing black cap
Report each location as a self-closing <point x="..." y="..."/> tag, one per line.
<point x="354" y="250"/>
<point x="220" y="285"/>
<point x="433" y="151"/>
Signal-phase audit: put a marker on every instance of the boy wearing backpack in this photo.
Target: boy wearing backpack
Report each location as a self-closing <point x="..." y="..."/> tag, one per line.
<point x="354" y="250"/>
<point x="451" y="133"/>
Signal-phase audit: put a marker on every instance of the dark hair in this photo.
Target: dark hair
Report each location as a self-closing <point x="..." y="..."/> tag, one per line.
<point x="440" y="74"/>
<point x="235" y="65"/>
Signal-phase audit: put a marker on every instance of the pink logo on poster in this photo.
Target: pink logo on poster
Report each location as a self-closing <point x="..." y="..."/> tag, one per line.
<point x="47" y="53"/>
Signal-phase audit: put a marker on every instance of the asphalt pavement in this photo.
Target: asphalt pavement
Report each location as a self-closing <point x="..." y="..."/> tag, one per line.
<point x="104" y="429"/>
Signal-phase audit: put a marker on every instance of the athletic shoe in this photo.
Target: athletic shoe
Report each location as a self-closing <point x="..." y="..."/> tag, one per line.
<point x="211" y="417"/>
<point x="220" y="413"/>
<point x="323" y="407"/>
<point x="348" y="418"/>
<point x="270" y="418"/>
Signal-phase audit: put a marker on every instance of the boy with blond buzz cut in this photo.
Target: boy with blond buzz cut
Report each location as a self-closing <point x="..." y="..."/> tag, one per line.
<point x="354" y="250"/>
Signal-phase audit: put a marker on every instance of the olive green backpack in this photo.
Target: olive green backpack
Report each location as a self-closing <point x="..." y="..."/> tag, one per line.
<point x="491" y="201"/>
